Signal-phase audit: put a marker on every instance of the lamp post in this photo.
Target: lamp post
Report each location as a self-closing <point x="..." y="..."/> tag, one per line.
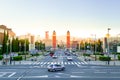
<point x="108" y="44"/>
<point x="7" y="44"/>
<point x="19" y="47"/>
<point x="94" y="45"/>
<point x="25" y="47"/>
<point x="10" y="50"/>
<point x="7" y="48"/>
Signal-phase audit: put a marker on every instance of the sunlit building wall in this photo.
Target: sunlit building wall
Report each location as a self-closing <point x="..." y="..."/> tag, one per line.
<point x="10" y="32"/>
<point x="68" y="40"/>
<point x="54" y="40"/>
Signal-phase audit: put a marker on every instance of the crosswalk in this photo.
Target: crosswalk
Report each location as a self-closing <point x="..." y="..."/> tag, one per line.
<point x="64" y="63"/>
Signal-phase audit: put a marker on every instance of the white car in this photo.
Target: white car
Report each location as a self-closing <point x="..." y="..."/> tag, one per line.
<point x="56" y="67"/>
<point x="69" y="58"/>
<point x="54" y="56"/>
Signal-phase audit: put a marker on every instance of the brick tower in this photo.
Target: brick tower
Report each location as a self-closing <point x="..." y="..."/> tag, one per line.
<point x="68" y="40"/>
<point x="54" y="40"/>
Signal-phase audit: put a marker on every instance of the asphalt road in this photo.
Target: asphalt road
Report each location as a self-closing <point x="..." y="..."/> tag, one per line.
<point x="76" y="69"/>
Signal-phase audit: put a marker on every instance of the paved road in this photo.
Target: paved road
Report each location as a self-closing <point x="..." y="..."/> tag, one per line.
<point x="75" y="69"/>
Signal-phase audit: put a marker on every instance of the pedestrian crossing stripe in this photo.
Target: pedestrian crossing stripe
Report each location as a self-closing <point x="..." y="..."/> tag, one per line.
<point x="65" y="63"/>
<point x="49" y="62"/>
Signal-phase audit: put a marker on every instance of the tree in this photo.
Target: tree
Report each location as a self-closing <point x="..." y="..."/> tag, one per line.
<point x="5" y="39"/>
<point x="15" y="45"/>
<point x="77" y="48"/>
<point x="99" y="46"/>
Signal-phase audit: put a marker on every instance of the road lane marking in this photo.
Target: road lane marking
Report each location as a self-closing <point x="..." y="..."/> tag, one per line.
<point x="85" y="62"/>
<point x="100" y="72"/>
<point x="79" y="63"/>
<point x="68" y="62"/>
<point x="57" y="76"/>
<point x="48" y="63"/>
<point x="72" y="76"/>
<point x="12" y="74"/>
<point x="115" y="72"/>
<point x="72" y="63"/>
<point x="41" y="63"/>
<point x="75" y="62"/>
<point x="78" y="72"/>
<point x="65" y="63"/>
<point x="2" y="74"/>
<point x="44" y="76"/>
<point x="82" y="63"/>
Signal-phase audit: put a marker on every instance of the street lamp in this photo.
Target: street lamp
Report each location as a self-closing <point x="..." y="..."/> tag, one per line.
<point x="94" y="45"/>
<point x="19" y="47"/>
<point x="108" y="35"/>
<point x="7" y="44"/>
<point x="10" y="50"/>
<point x="25" y="47"/>
<point x="7" y="48"/>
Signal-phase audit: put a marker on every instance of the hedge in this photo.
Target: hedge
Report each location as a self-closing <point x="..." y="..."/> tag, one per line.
<point x="104" y="58"/>
<point x="116" y="53"/>
<point x="22" y="53"/>
<point x="1" y="57"/>
<point x="17" y="58"/>
<point x="118" y="57"/>
<point x="97" y="53"/>
<point x="86" y="54"/>
<point x="35" y="54"/>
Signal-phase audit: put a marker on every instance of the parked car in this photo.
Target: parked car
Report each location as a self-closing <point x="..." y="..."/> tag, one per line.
<point x="56" y="67"/>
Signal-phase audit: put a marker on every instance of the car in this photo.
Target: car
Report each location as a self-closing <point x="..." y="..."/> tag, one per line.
<point x="46" y="54"/>
<point x="54" y="56"/>
<point x="56" y="67"/>
<point x="69" y="58"/>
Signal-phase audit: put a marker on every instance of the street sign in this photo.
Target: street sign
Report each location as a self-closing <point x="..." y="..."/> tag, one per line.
<point x="118" y="49"/>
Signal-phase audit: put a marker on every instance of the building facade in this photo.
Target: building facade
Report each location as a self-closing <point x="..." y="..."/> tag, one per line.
<point x="30" y="38"/>
<point x="68" y="40"/>
<point x="54" y="40"/>
<point x="3" y="29"/>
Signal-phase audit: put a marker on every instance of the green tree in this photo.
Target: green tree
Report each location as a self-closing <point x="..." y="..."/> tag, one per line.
<point x="99" y="46"/>
<point x="4" y="45"/>
<point x="15" y="45"/>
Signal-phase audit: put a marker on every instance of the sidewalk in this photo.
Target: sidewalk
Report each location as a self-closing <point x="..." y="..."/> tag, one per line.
<point x="92" y="62"/>
<point x="23" y="62"/>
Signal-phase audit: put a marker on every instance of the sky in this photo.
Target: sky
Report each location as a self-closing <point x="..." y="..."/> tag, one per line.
<point x="83" y="18"/>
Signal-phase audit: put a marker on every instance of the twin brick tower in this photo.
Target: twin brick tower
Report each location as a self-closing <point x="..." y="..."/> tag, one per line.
<point x="67" y="40"/>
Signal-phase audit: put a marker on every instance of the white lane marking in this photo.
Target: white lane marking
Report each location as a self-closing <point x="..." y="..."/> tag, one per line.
<point x="58" y="62"/>
<point x="19" y="78"/>
<point x="75" y="62"/>
<point x="12" y="74"/>
<point x="115" y="72"/>
<point x="45" y="62"/>
<point x="78" y="72"/>
<point x="57" y="76"/>
<point x="82" y="63"/>
<point x="44" y="76"/>
<point x="72" y="63"/>
<point x="65" y="63"/>
<point x="2" y="74"/>
<point x="41" y="63"/>
<point x="68" y="62"/>
<point x="59" y="73"/>
<point x="75" y="76"/>
<point x="48" y="63"/>
<point x="85" y="62"/>
<point x="61" y="62"/>
<point x="100" y="72"/>
<point x="79" y="63"/>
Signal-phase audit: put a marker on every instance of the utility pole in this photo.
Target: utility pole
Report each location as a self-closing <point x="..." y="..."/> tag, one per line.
<point x="10" y="50"/>
<point x="108" y="45"/>
<point x="25" y="47"/>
